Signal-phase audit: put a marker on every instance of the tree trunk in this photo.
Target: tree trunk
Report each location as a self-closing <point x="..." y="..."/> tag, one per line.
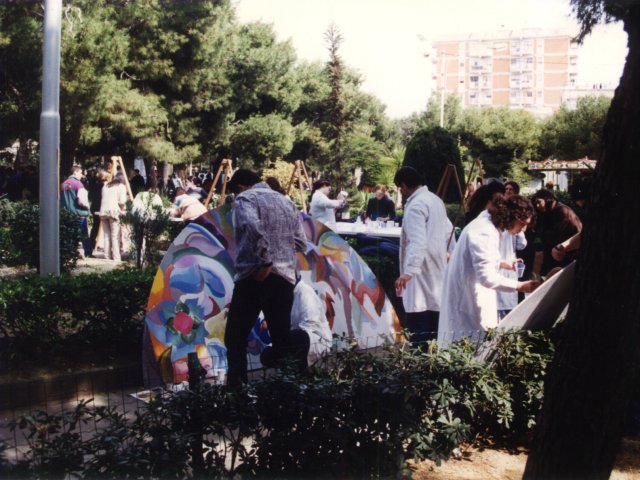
<point x="22" y="155"/>
<point x="587" y="393"/>
<point x="69" y="141"/>
<point x="152" y="173"/>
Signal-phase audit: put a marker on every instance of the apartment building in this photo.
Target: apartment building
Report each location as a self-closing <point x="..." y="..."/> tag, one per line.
<point x="530" y="69"/>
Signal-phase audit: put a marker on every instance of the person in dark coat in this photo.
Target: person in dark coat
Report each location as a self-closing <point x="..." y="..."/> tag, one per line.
<point x="556" y="223"/>
<point x="137" y="182"/>
<point x="381" y="207"/>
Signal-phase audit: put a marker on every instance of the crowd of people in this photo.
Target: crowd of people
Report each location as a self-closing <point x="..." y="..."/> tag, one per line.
<point x="19" y="183"/>
<point x="98" y="199"/>
<point x="446" y="293"/>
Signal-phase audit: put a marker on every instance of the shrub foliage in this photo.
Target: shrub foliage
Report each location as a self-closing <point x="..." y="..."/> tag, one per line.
<point x="363" y="415"/>
<point x="20" y="236"/>
<point x="98" y="313"/>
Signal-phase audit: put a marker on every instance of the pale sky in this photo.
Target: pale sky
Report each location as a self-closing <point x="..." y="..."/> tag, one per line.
<point x="386" y="40"/>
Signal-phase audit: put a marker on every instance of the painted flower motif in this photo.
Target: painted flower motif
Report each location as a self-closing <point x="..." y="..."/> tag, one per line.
<point x="183" y="323"/>
<point x="186" y="324"/>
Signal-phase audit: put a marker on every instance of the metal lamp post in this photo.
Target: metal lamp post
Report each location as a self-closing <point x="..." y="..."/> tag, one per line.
<point x="50" y="141"/>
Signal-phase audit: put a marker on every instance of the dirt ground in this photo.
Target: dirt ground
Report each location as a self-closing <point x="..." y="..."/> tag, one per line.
<point x="84" y="265"/>
<point x="492" y="464"/>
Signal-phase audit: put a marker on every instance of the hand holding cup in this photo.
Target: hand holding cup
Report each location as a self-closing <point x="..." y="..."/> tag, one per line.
<point x="519" y="268"/>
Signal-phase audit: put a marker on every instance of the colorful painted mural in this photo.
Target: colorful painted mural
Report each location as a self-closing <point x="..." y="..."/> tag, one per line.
<point x="192" y="289"/>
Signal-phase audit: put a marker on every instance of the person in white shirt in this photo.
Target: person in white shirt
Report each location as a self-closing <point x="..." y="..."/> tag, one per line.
<point x="509" y="244"/>
<point x="114" y="198"/>
<point x="188" y="207"/>
<point x="146" y="203"/>
<point x="311" y="337"/>
<point x="322" y="208"/>
<point x="469" y="302"/>
<point x="423" y="255"/>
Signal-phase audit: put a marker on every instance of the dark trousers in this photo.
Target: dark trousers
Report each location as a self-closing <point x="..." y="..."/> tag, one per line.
<point x="84" y="234"/>
<point x="422" y="327"/>
<point x="274" y="297"/>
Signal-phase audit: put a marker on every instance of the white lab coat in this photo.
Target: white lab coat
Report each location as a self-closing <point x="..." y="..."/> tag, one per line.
<point x="508" y="245"/>
<point x="423" y="250"/>
<point x="323" y="209"/>
<point x="308" y="314"/>
<point x="469" y="303"/>
<point x="145" y="202"/>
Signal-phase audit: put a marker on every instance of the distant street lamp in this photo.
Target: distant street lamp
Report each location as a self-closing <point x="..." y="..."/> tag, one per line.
<point x="443" y="80"/>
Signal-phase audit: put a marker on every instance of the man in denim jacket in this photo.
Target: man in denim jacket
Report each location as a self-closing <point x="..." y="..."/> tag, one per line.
<point x="268" y="233"/>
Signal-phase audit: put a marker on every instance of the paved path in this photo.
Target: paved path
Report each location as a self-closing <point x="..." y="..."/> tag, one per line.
<point x="95" y="264"/>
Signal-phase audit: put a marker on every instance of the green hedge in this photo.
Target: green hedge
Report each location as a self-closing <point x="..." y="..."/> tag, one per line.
<point x="363" y="417"/>
<point x="72" y="315"/>
<point x="20" y="235"/>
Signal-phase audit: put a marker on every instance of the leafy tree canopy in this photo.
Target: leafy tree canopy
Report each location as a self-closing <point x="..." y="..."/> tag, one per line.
<point x="499" y="136"/>
<point x="429" y="152"/>
<point x="260" y="139"/>
<point x="577" y="133"/>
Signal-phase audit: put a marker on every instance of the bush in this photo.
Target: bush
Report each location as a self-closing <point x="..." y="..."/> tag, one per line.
<point x="7" y="211"/>
<point x="147" y="230"/>
<point x="366" y="416"/>
<point x="72" y="315"/>
<point x="22" y="239"/>
<point x="8" y="253"/>
<point x="520" y="359"/>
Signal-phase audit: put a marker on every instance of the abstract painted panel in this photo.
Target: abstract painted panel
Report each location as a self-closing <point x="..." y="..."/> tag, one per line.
<point x="190" y="296"/>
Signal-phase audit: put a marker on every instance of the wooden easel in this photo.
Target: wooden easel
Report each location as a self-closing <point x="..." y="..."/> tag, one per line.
<point x="476" y="164"/>
<point x="226" y="168"/>
<point x="300" y="173"/>
<point x="449" y="171"/>
<point x="116" y="161"/>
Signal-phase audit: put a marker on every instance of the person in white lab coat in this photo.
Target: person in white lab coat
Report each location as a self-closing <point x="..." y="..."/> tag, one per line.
<point x="423" y="255"/>
<point x="322" y="208"/>
<point x="509" y="244"/>
<point x="469" y="301"/>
